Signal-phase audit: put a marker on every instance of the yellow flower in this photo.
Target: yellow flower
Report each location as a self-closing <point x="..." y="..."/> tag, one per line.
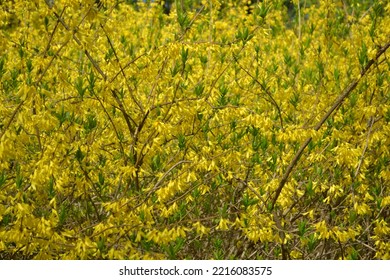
<point x="223" y="224"/>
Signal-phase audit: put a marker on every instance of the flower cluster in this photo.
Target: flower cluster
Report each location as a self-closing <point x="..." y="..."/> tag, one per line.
<point x="219" y="130"/>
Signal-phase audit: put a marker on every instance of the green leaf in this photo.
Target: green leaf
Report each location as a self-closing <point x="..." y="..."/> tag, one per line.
<point x="79" y="155"/>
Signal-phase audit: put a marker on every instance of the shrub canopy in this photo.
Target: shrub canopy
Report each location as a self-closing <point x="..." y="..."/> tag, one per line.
<point x="217" y="130"/>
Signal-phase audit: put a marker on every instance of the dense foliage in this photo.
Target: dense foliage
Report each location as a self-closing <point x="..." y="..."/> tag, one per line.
<point x="217" y="130"/>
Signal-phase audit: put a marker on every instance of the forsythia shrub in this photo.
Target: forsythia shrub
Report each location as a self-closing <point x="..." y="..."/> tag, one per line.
<point x="217" y="130"/>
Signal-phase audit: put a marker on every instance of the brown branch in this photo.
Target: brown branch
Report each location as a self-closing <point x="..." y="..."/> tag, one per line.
<point x="122" y="71"/>
<point x="191" y="23"/>
<point x="125" y="115"/>
<point x="126" y="66"/>
<point x="156" y="81"/>
<point x="50" y="63"/>
<point x="77" y="40"/>
<point x="11" y="119"/>
<point x="335" y="106"/>
<point x="112" y="123"/>
<point x="53" y="32"/>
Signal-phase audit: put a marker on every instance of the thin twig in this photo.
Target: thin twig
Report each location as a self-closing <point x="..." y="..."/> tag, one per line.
<point x="166" y="174"/>
<point x="122" y="71"/>
<point x="273" y="101"/>
<point x="52" y="33"/>
<point x="77" y="40"/>
<point x="191" y="23"/>
<point x="11" y="119"/>
<point x="112" y="123"/>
